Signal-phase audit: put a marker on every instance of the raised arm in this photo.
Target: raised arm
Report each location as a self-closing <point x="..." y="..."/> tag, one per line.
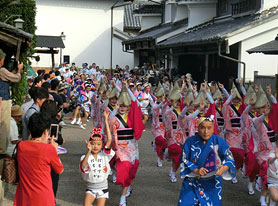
<point x="108" y="132"/>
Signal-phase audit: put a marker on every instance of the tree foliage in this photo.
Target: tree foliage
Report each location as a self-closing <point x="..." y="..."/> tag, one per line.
<point x="27" y="10"/>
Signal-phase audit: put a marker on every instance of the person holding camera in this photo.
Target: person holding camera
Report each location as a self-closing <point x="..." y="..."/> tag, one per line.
<point x="36" y="157"/>
<point x="5" y="78"/>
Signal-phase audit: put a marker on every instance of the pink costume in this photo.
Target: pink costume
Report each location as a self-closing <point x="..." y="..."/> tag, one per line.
<point x="262" y="134"/>
<point x="247" y="126"/>
<point x="233" y="131"/>
<point x="158" y="129"/>
<point x="126" y="136"/>
<point x="174" y="135"/>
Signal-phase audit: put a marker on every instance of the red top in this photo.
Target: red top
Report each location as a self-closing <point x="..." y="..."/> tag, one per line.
<point x="35" y="160"/>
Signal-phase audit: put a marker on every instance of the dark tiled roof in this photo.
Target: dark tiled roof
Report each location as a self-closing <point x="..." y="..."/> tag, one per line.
<point x="131" y="22"/>
<point x="208" y="32"/>
<point x="267" y="48"/>
<point x="15" y="31"/>
<point x="50" y="41"/>
<point x="157" y="31"/>
<point x="149" y="9"/>
<point x="213" y="31"/>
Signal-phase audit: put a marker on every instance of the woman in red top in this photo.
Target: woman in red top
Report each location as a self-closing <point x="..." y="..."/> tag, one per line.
<point x="35" y="158"/>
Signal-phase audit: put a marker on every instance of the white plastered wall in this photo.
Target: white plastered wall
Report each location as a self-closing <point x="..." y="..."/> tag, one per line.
<point x="86" y="25"/>
<point x="264" y="64"/>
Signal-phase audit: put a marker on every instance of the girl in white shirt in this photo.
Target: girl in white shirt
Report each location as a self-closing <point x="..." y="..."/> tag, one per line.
<point x="95" y="166"/>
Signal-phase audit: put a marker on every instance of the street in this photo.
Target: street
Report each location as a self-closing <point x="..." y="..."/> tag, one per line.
<point x="151" y="185"/>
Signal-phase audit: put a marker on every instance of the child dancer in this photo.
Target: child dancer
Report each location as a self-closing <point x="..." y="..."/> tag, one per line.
<point x="95" y="166"/>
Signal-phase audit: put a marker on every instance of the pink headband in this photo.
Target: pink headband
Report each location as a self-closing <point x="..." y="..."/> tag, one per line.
<point x="96" y="131"/>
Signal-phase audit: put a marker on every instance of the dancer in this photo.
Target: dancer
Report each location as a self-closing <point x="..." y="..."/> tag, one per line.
<point x="95" y="166"/>
<point x="204" y="159"/>
<point x="158" y="126"/>
<point x="127" y="130"/>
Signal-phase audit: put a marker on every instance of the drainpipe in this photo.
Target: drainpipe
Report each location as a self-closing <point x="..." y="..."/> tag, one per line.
<point x="231" y="59"/>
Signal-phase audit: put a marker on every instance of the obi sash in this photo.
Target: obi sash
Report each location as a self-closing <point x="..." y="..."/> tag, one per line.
<point x="160" y="118"/>
<point x="235" y="121"/>
<point x="220" y="120"/>
<point x="124" y="134"/>
<point x="270" y="132"/>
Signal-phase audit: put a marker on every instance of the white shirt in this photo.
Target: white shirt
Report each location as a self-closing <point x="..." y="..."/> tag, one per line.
<point x="272" y="170"/>
<point x="145" y="103"/>
<point x="13" y="136"/>
<point x="97" y="170"/>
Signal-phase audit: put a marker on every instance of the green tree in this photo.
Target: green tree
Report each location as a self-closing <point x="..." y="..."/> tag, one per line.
<point x="27" y="9"/>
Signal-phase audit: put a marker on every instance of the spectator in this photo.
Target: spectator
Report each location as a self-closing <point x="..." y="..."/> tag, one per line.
<point x="16" y="113"/>
<point x="49" y="107"/>
<point x="54" y="92"/>
<point x="5" y="78"/>
<point x="35" y="159"/>
<point x="38" y="81"/>
<point x="39" y="95"/>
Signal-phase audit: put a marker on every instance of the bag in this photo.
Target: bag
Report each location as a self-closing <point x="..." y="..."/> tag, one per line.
<point x="10" y="170"/>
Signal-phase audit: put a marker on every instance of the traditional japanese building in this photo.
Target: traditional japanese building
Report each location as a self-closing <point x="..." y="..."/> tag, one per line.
<point x="212" y="42"/>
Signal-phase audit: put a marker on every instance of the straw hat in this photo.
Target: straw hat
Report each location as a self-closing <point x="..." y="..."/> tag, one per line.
<point x="175" y="93"/>
<point x="250" y="93"/>
<point x="236" y="93"/>
<point x="124" y="97"/>
<point x="160" y="90"/>
<point x="262" y="99"/>
<point x="16" y="111"/>
<point x="113" y="93"/>
<point x="102" y="86"/>
<point x="201" y="96"/>
<point x="217" y="94"/>
<point x="189" y="97"/>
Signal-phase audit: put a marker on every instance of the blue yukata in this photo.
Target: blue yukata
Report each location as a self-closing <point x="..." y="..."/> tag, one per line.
<point x="204" y="190"/>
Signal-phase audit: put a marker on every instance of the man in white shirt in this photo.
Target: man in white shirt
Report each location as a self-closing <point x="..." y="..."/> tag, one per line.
<point x="16" y="113"/>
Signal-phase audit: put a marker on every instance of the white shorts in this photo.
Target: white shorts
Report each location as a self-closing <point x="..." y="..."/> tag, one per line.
<point x="144" y="110"/>
<point x="98" y="193"/>
<point x="272" y="185"/>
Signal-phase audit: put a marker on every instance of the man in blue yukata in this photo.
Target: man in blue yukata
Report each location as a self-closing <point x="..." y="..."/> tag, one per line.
<point x="205" y="158"/>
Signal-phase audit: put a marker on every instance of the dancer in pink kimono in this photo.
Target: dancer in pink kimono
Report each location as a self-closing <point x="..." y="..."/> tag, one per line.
<point x="251" y="167"/>
<point x="232" y="112"/>
<point x="174" y="132"/>
<point x="207" y="105"/>
<point x="219" y="101"/>
<point x="264" y="137"/>
<point x="158" y="126"/>
<point x="97" y="104"/>
<point x="127" y="130"/>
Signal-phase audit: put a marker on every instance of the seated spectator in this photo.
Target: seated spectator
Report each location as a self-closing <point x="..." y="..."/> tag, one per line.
<point x="35" y="159"/>
<point x="16" y="113"/>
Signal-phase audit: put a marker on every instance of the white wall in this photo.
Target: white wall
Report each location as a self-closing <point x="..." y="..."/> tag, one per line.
<point x="182" y="12"/>
<point x="265" y="64"/>
<point x="149" y="22"/>
<point x="266" y="4"/>
<point x="200" y="13"/>
<point x="86" y="25"/>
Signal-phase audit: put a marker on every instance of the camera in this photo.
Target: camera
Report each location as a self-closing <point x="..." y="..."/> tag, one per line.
<point x="12" y="65"/>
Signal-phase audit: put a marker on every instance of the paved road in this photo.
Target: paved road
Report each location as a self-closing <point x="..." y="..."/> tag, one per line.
<point x="150" y="188"/>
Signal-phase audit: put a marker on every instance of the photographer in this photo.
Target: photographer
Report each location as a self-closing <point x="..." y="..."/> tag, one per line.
<point x="5" y="78"/>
